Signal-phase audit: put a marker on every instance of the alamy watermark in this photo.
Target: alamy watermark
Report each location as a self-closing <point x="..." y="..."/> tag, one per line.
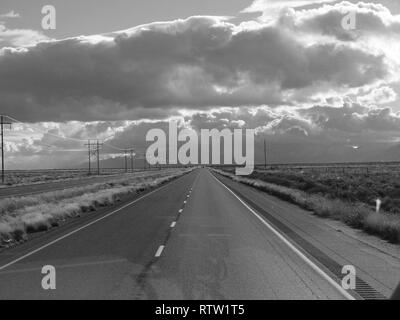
<point x="49" y="280"/>
<point x="349" y="21"/>
<point x="192" y="143"/>
<point x="49" y="18"/>
<point x="349" y="279"/>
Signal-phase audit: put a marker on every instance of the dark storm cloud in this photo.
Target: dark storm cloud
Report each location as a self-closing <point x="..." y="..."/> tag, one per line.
<point x="155" y="69"/>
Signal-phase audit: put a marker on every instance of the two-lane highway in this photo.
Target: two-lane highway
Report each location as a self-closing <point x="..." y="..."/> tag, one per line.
<point x="190" y="239"/>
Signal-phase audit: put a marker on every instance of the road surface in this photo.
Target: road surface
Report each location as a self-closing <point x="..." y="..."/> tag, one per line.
<point x="190" y="239"/>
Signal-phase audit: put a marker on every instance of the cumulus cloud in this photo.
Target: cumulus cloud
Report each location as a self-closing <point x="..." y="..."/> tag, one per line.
<point x="197" y="63"/>
<point x="19" y="37"/>
<point x="232" y="118"/>
<point x="372" y="19"/>
<point x="291" y="79"/>
<point x="10" y="15"/>
<point x="378" y="96"/>
<point x="376" y="28"/>
<point x="319" y="133"/>
<point x="271" y="8"/>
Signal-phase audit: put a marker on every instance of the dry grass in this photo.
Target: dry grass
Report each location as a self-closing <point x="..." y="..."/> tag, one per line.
<point x="17" y="178"/>
<point x="356" y="185"/>
<point x="358" y="215"/>
<point x="20" y="216"/>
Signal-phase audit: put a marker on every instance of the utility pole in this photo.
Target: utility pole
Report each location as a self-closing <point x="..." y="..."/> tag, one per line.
<point x="89" y="145"/>
<point x="126" y="161"/>
<point x="93" y="149"/>
<point x="131" y="152"/>
<point x="2" y="145"/>
<point x="265" y="155"/>
<point x="98" y="157"/>
<point x="89" y="152"/>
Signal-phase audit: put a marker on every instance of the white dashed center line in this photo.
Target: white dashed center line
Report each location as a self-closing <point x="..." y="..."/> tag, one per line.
<point x="159" y="251"/>
<point x="173" y="224"/>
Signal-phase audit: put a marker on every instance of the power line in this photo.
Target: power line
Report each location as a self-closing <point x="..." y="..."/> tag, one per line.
<point x="2" y="145"/>
<point x="65" y="138"/>
<point x="46" y="132"/>
<point x="131" y="152"/>
<point x="91" y="150"/>
<point x="126" y="162"/>
<point x="94" y="148"/>
<point x="265" y="154"/>
<point x="89" y="153"/>
<point x="98" y="145"/>
<point x="126" y="152"/>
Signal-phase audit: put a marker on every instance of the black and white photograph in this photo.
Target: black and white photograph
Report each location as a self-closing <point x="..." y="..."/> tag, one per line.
<point x="200" y="155"/>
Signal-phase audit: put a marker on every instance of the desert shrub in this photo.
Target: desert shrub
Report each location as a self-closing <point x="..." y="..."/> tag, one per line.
<point x="355" y="214"/>
<point x="391" y="204"/>
<point x="355" y="186"/>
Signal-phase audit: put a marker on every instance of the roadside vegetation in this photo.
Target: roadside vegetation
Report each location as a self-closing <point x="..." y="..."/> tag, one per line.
<point x="344" y="203"/>
<point x="24" y="177"/>
<point x="349" y="184"/>
<point x="20" y="216"/>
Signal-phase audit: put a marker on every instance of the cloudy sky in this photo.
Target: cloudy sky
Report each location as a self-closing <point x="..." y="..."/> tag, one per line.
<point x="114" y="69"/>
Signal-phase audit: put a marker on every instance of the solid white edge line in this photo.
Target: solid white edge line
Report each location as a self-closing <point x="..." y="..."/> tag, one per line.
<point x="79" y="229"/>
<point x="159" y="251"/>
<point x="291" y="246"/>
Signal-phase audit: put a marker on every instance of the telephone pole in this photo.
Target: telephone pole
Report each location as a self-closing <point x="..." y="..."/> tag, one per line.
<point x="131" y="152"/>
<point x="126" y="161"/>
<point x="2" y="145"/>
<point x="98" y="145"/>
<point x="94" y="149"/>
<point x="126" y="152"/>
<point x="90" y="151"/>
<point x="265" y="155"/>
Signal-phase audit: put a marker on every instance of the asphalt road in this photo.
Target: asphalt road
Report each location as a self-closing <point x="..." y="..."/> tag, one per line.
<point x="191" y="239"/>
